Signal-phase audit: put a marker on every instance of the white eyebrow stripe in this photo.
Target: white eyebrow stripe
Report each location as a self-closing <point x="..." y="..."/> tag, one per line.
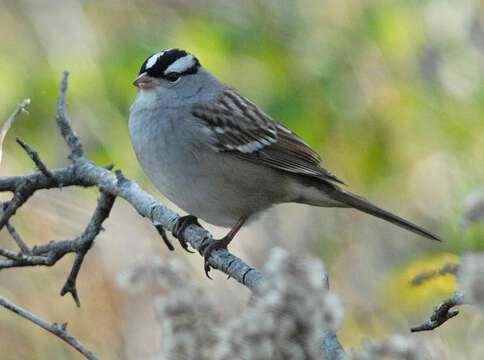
<point x="152" y="60"/>
<point x="181" y="65"/>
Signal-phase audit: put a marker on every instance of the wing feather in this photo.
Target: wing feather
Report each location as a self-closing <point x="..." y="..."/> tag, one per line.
<point x="237" y="125"/>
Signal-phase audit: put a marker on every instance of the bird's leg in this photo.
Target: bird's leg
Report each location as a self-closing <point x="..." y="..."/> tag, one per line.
<point x="181" y="224"/>
<point x="221" y="244"/>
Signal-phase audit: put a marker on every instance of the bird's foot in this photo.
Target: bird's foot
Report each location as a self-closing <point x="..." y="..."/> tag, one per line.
<point x="214" y="245"/>
<point x="181" y="224"/>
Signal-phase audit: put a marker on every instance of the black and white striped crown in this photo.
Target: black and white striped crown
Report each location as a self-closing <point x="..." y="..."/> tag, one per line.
<point x="168" y="62"/>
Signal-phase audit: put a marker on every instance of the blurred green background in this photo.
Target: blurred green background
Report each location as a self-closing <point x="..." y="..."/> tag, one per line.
<point x="390" y="93"/>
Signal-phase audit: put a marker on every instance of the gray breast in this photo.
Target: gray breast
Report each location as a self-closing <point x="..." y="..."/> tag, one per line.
<point x="217" y="187"/>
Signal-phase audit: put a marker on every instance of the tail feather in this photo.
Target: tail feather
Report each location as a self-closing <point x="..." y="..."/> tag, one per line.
<point x="357" y="202"/>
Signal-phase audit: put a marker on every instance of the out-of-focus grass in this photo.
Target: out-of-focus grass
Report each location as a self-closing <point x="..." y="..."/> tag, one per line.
<point x="389" y="92"/>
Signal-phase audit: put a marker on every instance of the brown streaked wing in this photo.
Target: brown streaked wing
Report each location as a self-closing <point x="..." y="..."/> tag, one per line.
<point x="236" y="123"/>
<point x="239" y="126"/>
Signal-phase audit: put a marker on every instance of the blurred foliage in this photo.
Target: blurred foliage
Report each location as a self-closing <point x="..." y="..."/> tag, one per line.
<point x="391" y="93"/>
<point x="399" y="289"/>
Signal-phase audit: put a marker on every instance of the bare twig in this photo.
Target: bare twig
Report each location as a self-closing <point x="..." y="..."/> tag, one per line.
<point x="21" y="195"/>
<point x="104" y="206"/>
<point x="20" y="243"/>
<point x="161" y="230"/>
<point x="38" y="256"/>
<point x="34" y="155"/>
<point x="331" y="347"/>
<point x="56" y="329"/>
<point x="3" y="133"/>
<point x="18" y="239"/>
<point x="8" y="123"/>
<point x="49" y="254"/>
<point x="442" y="313"/>
<point x="64" y="123"/>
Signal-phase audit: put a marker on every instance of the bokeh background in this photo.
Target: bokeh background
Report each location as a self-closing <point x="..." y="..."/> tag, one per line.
<point x="390" y="93"/>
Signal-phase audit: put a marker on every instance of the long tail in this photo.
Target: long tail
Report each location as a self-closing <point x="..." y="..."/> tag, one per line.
<point x="357" y="202"/>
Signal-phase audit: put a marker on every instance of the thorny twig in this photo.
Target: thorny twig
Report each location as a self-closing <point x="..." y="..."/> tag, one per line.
<point x="442" y="313"/>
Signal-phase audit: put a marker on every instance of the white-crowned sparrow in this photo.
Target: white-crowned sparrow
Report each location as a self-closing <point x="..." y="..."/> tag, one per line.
<point x="219" y="157"/>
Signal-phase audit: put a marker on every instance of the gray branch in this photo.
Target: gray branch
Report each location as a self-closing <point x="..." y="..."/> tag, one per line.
<point x="56" y="329"/>
<point x="330" y="345"/>
<point x="85" y="173"/>
<point x="3" y="133"/>
<point x="10" y="120"/>
<point x="34" y="155"/>
<point x="442" y="313"/>
<point x="104" y="205"/>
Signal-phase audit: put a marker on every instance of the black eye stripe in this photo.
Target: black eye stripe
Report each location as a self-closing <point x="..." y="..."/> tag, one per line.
<point x="173" y="76"/>
<point x="164" y="60"/>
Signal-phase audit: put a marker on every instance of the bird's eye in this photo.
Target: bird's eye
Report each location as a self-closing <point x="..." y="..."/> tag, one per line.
<point x="173" y="76"/>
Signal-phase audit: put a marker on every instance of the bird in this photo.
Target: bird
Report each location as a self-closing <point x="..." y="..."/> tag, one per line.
<point x="221" y="158"/>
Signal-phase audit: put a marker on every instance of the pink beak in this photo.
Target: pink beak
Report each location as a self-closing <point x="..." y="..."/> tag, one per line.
<point x="144" y="81"/>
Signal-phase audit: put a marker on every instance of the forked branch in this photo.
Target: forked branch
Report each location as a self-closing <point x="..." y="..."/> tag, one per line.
<point x="442" y="313"/>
